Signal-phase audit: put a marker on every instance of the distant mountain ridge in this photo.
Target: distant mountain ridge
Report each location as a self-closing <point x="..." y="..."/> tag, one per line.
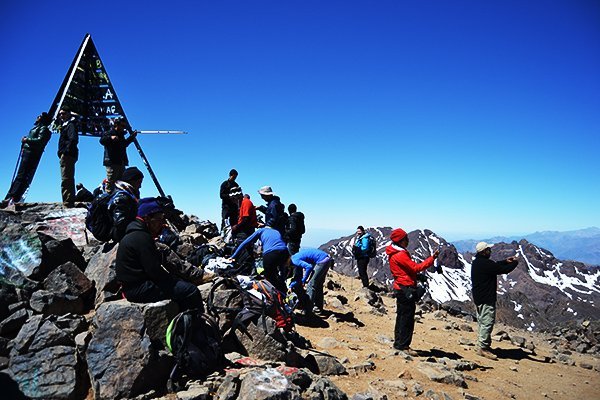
<point x="542" y="292"/>
<point x="579" y="245"/>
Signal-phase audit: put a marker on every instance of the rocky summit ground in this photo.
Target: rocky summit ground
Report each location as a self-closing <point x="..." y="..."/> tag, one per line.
<point x="361" y="338"/>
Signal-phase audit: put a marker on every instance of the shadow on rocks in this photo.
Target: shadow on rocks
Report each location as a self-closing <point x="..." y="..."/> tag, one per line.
<point x="437" y="353"/>
<point x="348" y="317"/>
<point x="516" y="354"/>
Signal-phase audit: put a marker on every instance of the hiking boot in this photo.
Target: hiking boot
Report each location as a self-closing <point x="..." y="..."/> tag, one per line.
<point x="409" y="351"/>
<point x="318" y="311"/>
<point x="486" y="353"/>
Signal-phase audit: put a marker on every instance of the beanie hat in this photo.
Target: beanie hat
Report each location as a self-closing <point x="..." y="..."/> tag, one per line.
<point x="132" y="174"/>
<point x="397" y="235"/>
<point x="147" y="206"/>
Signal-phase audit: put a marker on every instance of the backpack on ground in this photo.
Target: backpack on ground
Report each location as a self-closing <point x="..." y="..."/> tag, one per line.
<point x="259" y="300"/>
<point x="371" y="247"/>
<point x="195" y="341"/>
<point x="99" y="220"/>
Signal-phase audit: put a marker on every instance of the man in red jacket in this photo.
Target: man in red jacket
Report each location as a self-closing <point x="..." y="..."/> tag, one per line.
<point x="404" y="271"/>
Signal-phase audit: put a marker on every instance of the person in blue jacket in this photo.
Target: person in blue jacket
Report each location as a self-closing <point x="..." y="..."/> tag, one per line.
<point x="360" y="251"/>
<point x="276" y="257"/>
<point x="312" y="265"/>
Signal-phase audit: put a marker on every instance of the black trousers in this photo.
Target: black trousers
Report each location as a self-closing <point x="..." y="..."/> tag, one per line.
<point x="185" y="294"/>
<point x="27" y="167"/>
<point x="362" y="264"/>
<point x="275" y="268"/>
<point x="405" y="320"/>
<point x="293" y="246"/>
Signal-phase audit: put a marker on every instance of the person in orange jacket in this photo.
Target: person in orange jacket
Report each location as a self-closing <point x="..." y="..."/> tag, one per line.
<point x="404" y="270"/>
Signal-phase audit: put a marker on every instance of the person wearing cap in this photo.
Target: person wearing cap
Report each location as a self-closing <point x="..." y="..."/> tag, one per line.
<point x="123" y="204"/>
<point x="275" y="216"/>
<point x="404" y="270"/>
<point x="68" y="154"/>
<point x="115" y="151"/>
<point x="276" y="257"/>
<point x="138" y="262"/>
<point x="484" y="273"/>
<point x="360" y="251"/>
<point x="231" y="197"/>
<point x="32" y="148"/>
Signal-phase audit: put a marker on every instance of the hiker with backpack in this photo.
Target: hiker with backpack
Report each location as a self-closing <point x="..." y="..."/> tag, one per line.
<point x="231" y="197"/>
<point x="363" y="249"/>
<point x="294" y="229"/>
<point x="275" y="216"/>
<point x="310" y="269"/>
<point x="404" y="270"/>
<point x="138" y="262"/>
<point x="276" y="256"/>
<point x="115" y="151"/>
<point x="123" y="205"/>
<point x="32" y="148"/>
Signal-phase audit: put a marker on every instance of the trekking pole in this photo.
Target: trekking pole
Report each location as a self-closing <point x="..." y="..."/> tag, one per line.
<point x="17" y="166"/>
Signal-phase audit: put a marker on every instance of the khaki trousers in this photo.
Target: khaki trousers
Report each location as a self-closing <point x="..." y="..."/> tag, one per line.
<point x="67" y="176"/>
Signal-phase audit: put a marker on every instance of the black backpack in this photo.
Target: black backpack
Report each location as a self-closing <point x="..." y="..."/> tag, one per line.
<point x="372" y="247"/>
<point x="195" y="341"/>
<point x="99" y="219"/>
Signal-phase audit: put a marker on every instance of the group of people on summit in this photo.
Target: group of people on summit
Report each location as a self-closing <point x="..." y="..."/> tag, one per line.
<point x="139" y="224"/>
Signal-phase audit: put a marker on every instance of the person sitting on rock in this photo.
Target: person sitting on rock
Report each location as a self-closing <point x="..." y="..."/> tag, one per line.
<point x="311" y="266"/>
<point x="123" y="205"/>
<point x="138" y="263"/>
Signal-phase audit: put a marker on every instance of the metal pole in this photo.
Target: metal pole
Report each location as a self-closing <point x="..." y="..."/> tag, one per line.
<point x="17" y="166"/>
<point x="148" y="167"/>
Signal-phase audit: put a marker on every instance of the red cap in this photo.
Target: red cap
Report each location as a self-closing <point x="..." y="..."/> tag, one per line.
<point x="397" y="235"/>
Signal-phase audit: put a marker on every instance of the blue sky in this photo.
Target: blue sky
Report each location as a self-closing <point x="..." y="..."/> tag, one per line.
<point x="469" y="118"/>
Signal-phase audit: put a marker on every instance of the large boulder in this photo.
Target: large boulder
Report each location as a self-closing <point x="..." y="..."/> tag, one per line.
<point x="122" y="362"/>
<point x="44" y="361"/>
<point x="21" y="254"/>
<point x="66" y="290"/>
<point x="263" y="340"/>
<point x="57" y="252"/>
<point x="267" y="384"/>
<point x="101" y="270"/>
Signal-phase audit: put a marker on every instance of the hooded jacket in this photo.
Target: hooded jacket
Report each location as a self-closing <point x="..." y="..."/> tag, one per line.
<point x="123" y="208"/>
<point x="403" y="268"/>
<point x="138" y="259"/>
<point x="37" y="139"/>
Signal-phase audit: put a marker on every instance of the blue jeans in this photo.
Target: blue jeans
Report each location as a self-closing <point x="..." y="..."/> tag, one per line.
<point x="314" y="289"/>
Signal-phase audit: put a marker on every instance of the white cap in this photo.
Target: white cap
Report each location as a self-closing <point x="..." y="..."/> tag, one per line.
<point x="481" y="246"/>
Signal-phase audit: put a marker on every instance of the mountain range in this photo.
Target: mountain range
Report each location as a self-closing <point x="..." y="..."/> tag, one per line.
<point x="581" y="245"/>
<point x="542" y="292"/>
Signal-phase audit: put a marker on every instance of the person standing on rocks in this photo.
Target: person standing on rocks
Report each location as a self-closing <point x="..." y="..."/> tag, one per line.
<point x="276" y="257"/>
<point x="32" y="148"/>
<point x="484" y="273"/>
<point x="138" y="262"/>
<point x="275" y="216"/>
<point x="294" y="229"/>
<point x="231" y="197"/>
<point x="311" y="266"/>
<point x="404" y="270"/>
<point x="68" y="152"/>
<point x="115" y="152"/>
<point x="360" y="251"/>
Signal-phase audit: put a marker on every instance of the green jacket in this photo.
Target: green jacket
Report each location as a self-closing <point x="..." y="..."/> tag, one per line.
<point x="37" y="139"/>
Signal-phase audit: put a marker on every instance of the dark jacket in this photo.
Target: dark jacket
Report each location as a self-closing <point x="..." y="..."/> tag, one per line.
<point x="115" y="151"/>
<point x="138" y="260"/>
<point x="123" y="207"/>
<point x="294" y="227"/>
<point x="68" y="140"/>
<point x="37" y="139"/>
<point x="231" y="197"/>
<point x="275" y="215"/>
<point x="483" y="277"/>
